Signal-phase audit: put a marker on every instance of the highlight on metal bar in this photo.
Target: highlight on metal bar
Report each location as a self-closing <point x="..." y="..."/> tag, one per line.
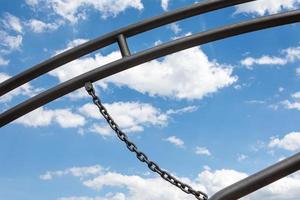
<point x="259" y="180"/>
<point x="110" y="38"/>
<point x="145" y="56"/>
<point x="123" y="46"/>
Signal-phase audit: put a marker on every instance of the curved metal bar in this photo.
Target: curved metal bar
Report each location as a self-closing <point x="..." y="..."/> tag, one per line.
<point x="110" y="38"/>
<point x="145" y="56"/>
<point x="259" y="180"/>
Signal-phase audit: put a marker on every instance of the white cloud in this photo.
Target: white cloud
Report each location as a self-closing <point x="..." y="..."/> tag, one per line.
<point x="12" y="22"/>
<point x="187" y="74"/>
<point x="296" y="95"/>
<point x="38" y="26"/>
<point x="80" y="172"/>
<point x="202" y="151"/>
<point x="290" y="142"/>
<point x="74" y="43"/>
<point x="264" y="60"/>
<point x="32" y="2"/>
<point x="109" y="196"/>
<point x="292" y="53"/>
<point x="255" y="102"/>
<point x="281" y="89"/>
<point x="138" y="187"/>
<point x="289" y="55"/>
<point x="214" y="181"/>
<point x="10" y="33"/>
<point x="158" y="42"/>
<point x="164" y="4"/>
<point x="175" y="28"/>
<point x="3" y="62"/>
<point x="176" y="141"/>
<point x="298" y="71"/>
<point x="26" y="90"/>
<point x="9" y="42"/>
<point x="242" y="157"/>
<point x="264" y="7"/>
<point x="102" y="129"/>
<point x="295" y="104"/>
<point x="187" y="109"/>
<point x="83" y="65"/>
<point x="66" y="119"/>
<point x="131" y="116"/>
<point x="209" y="181"/>
<point x="291" y="105"/>
<point x="34" y="118"/>
<point x="75" y="10"/>
<point x="44" y="117"/>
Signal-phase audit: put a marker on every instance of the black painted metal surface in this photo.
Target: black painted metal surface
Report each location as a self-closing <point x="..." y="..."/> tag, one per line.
<point x="259" y="180"/>
<point x="123" y="45"/>
<point x="110" y="38"/>
<point x="235" y="191"/>
<point x="145" y="56"/>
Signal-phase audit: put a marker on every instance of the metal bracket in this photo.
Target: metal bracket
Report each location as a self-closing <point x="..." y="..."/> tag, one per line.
<point x="123" y="45"/>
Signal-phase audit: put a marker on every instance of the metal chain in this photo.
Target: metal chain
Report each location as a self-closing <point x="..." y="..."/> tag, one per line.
<point x="140" y="155"/>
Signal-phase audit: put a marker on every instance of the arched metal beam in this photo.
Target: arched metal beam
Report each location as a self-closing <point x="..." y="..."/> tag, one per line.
<point x="110" y="38"/>
<point x="145" y="56"/>
<point x="259" y="180"/>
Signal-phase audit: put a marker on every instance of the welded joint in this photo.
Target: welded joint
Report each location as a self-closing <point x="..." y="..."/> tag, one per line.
<point x="123" y="45"/>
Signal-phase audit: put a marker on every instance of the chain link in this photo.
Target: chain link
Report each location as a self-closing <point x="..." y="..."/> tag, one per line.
<point x="140" y="155"/>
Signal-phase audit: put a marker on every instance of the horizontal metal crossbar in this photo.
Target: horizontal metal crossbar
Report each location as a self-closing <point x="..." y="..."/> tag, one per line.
<point x="110" y="38"/>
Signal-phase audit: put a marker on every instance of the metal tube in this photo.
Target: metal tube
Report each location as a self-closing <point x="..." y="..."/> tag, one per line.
<point x="123" y="45"/>
<point x="145" y="56"/>
<point x="259" y="180"/>
<point x="110" y="38"/>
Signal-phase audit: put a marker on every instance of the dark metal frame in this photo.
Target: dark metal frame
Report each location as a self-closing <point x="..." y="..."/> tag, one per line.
<point x="235" y="191"/>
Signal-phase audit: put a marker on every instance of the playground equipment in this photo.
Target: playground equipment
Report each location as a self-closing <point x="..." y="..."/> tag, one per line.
<point x="128" y="60"/>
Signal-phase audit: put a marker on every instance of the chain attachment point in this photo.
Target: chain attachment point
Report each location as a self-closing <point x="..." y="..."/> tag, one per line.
<point x="89" y="87"/>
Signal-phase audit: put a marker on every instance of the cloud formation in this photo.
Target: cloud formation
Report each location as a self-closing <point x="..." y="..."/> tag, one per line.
<point x="188" y="74"/>
<point x="202" y="151"/>
<point x="175" y="141"/>
<point x="151" y="188"/>
<point x="40" y="117"/>
<point x="165" y="4"/>
<point x="293" y="104"/>
<point x="26" y="90"/>
<point x="264" y="7"/>
<point x="3" y="62"/>
<point x="80" y="172"/>
<point x="12" y="22"/>
<point x="288" y="55"/>
<point x="73" y="11"/>
<point x="38" y="26"/>
<point x="131" y="116"/>
<point x="290" y="142"/>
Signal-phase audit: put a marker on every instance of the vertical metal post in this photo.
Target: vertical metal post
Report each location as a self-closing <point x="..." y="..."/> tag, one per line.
<point x="123" y="45"/>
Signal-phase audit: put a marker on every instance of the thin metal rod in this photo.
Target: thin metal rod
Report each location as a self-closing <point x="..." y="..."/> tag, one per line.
<point x="259" y="180"/>
<point x="123" y="45"/>
<point x="110" y="38"/>
<point x="145" y="56"/>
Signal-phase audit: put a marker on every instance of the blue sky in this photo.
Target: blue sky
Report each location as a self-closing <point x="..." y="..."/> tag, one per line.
<point x="210" y="115"/>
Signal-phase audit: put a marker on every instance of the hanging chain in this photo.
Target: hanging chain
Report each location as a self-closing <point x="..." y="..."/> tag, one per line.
<point x="140" y="155"/>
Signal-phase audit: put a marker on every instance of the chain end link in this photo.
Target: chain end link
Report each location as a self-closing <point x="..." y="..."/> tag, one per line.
<point x="89" y="87"/>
